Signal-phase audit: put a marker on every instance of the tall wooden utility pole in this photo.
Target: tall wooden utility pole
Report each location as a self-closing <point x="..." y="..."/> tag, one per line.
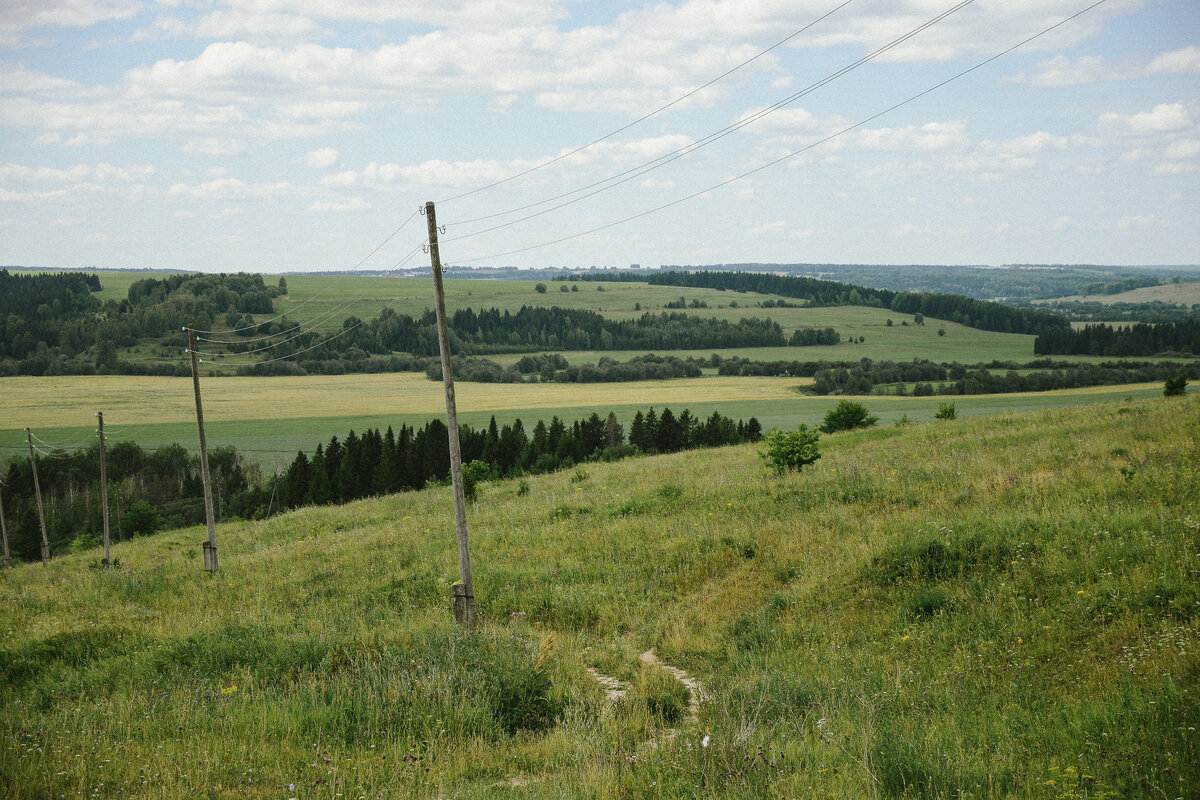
<point x="4" y="530"/>
<point x="463" y="592"/>
<point x="210" y="547"/>
<point x="103" y="489"/>
<point x="37" y="490"/>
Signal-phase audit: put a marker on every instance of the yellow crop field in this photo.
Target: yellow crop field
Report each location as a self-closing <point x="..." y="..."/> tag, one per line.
<point x="128" y="400"/>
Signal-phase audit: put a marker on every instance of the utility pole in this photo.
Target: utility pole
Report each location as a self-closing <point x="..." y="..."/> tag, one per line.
<point x="4" y="529"/>
<point x="37" y="490"/>
<point x="463" y="592"/>
<point x="103" y="489"/>
<point x="210" y="547"/>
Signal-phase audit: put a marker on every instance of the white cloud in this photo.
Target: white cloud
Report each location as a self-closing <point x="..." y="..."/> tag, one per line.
<point x="24" y="15"/>
<point x="340" y="179"/>
<point x="778" y="226"/>
<point x="322" y="158"/>
<point x="1064" y="71"/>
<point x="1163" y="118"/>
<point x="1138" y="222"/>
<point x="227" y="25"/>
<point x="351" y="204"/>
<point x="230" y="189"/>
<point x="1175" y="168"/>
<point x="931" y="137"/>
<point x="1183" y="148"/>
<point x="1176" y="62"/>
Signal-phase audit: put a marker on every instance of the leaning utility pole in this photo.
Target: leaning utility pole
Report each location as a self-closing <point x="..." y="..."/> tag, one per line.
<point x="4" y="530"/>
<point x="210" y="547"/>
<point x="463" y="592"/>
<point x="37" y="490"/>
<point x="103" y="489"/>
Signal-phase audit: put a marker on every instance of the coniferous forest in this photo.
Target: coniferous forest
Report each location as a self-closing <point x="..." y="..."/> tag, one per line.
<point x="149" y="490"/>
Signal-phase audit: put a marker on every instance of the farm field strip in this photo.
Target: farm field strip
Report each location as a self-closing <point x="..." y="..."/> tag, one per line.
<point x="275" y="417"/>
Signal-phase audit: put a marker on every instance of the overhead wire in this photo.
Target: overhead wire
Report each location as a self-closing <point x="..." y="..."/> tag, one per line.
<point x="638" y="171"/>
<point x="317" y="296"/>
<point x="793" y="153"/>
<point x="654" y="113"/>
<point x="411" y="254"/>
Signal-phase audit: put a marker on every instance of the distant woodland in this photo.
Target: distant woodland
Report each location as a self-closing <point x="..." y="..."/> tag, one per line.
<point x="973" y="313"/>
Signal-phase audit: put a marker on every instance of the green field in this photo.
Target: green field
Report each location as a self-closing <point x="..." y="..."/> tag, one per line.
<point x="273" y="418"/>
<point x="997" y="607"/>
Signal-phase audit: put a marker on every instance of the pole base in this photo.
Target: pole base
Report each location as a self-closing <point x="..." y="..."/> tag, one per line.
<point x="463" y="605"/>
<point x="210" y="557"/>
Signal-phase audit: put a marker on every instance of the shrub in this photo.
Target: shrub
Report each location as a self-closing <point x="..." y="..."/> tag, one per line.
<point x="946" y="410"/>
<point x="140" y="520"/>
<point x="540" y="288"/>
<point x="1175" y="386"/>
<point x="472" y="474"/>
<point x="847" y="415"/>
<point x="791" y="450"/>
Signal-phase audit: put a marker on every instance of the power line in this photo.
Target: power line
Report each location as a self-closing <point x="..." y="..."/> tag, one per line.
<point x="794" y="153"/>
<point x="361" y="261"/>
<point x="412" y="254"/>
<point x="657" y="111"/>
<point x="661" y="161"/>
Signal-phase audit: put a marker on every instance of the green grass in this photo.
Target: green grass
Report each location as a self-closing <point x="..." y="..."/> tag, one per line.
<point x="1003" y="606"/>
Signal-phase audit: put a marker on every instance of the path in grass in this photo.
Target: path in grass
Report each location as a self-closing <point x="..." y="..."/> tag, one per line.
<point x="615" y="689"/>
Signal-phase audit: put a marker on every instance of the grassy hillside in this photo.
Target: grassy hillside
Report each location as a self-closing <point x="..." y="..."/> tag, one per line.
<point x="994" y="607"/>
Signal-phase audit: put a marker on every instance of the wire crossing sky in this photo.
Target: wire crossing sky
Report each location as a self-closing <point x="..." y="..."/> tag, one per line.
<point x="298" y="135"/>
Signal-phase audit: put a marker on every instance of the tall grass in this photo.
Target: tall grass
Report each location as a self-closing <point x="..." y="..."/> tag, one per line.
<point x="1004" y="606"/>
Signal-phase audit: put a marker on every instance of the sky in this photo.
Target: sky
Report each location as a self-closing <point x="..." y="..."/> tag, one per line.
<point x="302" y="135"/>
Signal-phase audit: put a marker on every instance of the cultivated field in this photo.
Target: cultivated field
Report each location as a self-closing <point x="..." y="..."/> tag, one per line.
<point x="995" y="607"/>
<point x="1187" y="293"/>
<point x="275" y="417"/>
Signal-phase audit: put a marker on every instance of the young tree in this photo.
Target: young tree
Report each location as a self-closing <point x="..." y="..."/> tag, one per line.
<point x="847" y="415"/>
<point x="791" y="450"/>
<point x="1175" y="386"/>
<point x="946" y="410"/>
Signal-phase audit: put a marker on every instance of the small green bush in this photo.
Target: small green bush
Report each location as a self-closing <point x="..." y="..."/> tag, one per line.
<point x="847" y="415"/>
<point x="946" y="410"/>
<point x="1175" y="386"/>
<point x="791" y="450"/>
<point x="472" y="474"/>
<point x="141" y="519"/>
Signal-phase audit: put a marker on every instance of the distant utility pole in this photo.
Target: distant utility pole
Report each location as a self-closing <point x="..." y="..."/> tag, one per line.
<point x="37" y="490"/>
<point x="4" y="530"/>
<point x="210" y="547"/>
<point x="103" y="489"/>
<point x="463" y="592"/>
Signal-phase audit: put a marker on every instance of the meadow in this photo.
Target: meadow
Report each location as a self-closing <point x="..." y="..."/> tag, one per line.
<point x="1002" y="606"/>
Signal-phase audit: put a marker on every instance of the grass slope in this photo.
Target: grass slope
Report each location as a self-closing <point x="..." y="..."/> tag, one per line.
<point x="994" y="607"/>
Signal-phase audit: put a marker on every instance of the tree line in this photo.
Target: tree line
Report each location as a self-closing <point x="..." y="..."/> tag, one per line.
<point x="981" y="314"/>
<point x="375" y="462"/>
<point x="52" y="324"/>
<point x="1142" y="339"/>
<point x="146" y="490"/>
